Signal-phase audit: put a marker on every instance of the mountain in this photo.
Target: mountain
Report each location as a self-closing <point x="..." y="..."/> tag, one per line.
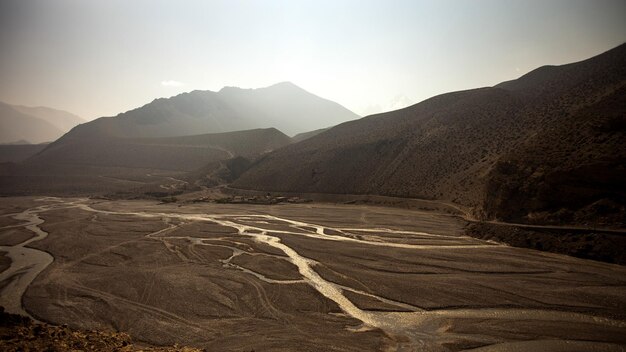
<point x="33" y="125"/>
<point x="63" y="120"/>
<point x="136" y="166"/>
<point x="547" y="146"/>
<point x="286" y="107"/>
<point x="184" y="153"/>
<point x="17" y="126"/>
<point x="283" y="106"/>
<point x="189" y="132"/>
<point x="306" y="135"/>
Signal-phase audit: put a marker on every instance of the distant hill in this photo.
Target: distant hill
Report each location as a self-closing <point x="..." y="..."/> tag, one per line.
<point x="135" y="165"/>
<point x="283" y="106"/>
<point x="63" y="120"/>
<point x="33" y="125"/>
<point x="286" y="107"/>
<point x="184" y="153"/>
<point x="547" y="146"/>
<point x="17" y="126"/>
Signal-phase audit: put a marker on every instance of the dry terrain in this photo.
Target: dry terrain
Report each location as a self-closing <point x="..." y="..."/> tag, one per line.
<point x="306" y="277"/>
<point x="545" y="148"/>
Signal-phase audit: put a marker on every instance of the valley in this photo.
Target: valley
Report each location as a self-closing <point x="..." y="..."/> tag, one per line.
<point x="313" y="276"/>
<point x="261" y="176"/>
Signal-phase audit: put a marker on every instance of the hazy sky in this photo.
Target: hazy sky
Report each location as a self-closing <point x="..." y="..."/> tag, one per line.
<point x="99" y="58"/>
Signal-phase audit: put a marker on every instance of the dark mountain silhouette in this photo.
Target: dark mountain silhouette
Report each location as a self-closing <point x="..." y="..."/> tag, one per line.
<point x="283" y="106"/>
<point x="133" y="165"/>
<point x="549" y="145"/>
<point x="184" y="153"/>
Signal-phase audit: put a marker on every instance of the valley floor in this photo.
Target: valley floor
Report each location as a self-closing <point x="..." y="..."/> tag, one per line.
<point x="304" y="277"/>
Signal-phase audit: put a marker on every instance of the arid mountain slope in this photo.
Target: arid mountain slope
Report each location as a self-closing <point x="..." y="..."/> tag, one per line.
<point x="573" y="171"/>
<point x="283" y="106"/>
<point x="169" y="153"/>
<point x="131" y="165"/>
<point x="562" y="122"/>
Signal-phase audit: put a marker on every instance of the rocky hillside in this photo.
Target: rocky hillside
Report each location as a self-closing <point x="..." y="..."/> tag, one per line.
<point x="546" y="145"/>
<point x="169" y="153"/>
<point x="18" y="333"/>
<point x="109" y="165"/>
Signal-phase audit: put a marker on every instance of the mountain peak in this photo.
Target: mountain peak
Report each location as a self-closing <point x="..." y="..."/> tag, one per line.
<point x="231" y="89"/>
<point x="282" y="105"/>
<point x="284" y="84"/>
<point x="281" y="85"/>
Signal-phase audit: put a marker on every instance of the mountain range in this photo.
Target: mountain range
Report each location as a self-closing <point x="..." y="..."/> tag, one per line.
<point x="191" y="129"/>
<point x="548" y="146"/>
<point x="284" y="106"/>
<point x="188" y="132"/>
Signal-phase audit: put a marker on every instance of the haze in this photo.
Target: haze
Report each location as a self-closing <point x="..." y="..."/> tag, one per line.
<point x="229" y="194"/>
<point x="102" y="58"/>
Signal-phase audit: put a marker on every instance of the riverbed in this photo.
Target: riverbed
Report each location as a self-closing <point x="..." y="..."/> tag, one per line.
<point x="306" y="277"/>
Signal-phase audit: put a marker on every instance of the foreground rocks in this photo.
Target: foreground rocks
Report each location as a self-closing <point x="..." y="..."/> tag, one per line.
<point x="19" y="333"/>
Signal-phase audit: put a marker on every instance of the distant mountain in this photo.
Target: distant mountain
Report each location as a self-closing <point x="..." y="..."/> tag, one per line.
<point x="17" y="126"/>
<point x="548" y="146"/>
<point x="306" y="135"/>
<point x="63" y="120"/>
<point x="286" y="107"/>
<point x="25" y="125"/>
<point x="283" y="106"/>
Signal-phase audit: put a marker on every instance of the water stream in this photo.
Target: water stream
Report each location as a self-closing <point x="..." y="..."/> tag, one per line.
<point x="26" y="262"/>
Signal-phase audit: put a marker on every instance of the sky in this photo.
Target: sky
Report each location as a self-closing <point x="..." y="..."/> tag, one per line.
<point x="100" y="58"/>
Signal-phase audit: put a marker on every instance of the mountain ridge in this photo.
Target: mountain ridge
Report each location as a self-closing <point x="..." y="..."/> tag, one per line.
<point x="230" y="109"/>
<point x="450" y="147"/>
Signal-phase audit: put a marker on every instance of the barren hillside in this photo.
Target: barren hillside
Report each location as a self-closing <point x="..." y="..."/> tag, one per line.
<point x="565" y="123"/>
<point x="284" y="106"/>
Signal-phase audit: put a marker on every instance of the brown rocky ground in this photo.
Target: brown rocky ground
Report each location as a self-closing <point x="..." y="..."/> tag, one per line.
<point x="182" y="273"/>
<point x="589" y="244"/>
<point x="22" y="334"/>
